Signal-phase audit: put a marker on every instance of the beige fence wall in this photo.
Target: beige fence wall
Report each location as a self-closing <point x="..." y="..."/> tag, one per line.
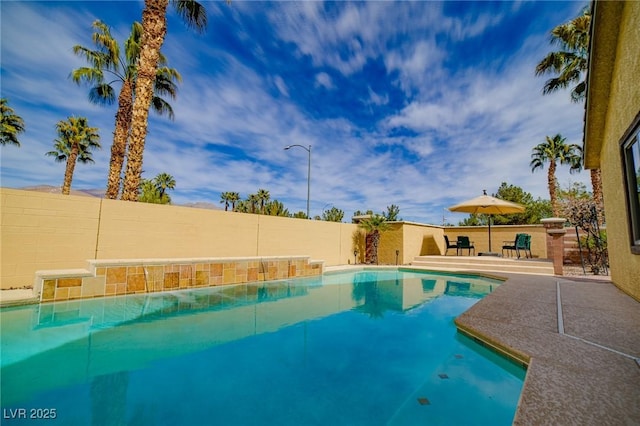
<point x="44" y="231"/>
<point x="499" y="234"/>
<point x="40" y="231"/>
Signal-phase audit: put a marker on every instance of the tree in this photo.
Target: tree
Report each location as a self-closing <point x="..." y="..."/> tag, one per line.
<point x="234" y="197"/>
<point x="225" y="198"/>
<point x="106" y="67"/>
<point x="392" y="213"/>
<point x="360" y="213"/>
<point x="300" y="215"/>
<point x="252" y="202"/>
<point x="12" y="124"/>
<point x="569" y="66"/>
<point x="154" y="29"/>
<point x="373" y="226"/>
<point x="276" y="208"/>
<point x="263" y="197"/>
<point x="74" y="144"/>
<point x="534" y="209"/>
<point x="164" y="181"/>
<point x="333" y="215"/>
<point x="554" y="150"/>
<point x="584" y="213"/>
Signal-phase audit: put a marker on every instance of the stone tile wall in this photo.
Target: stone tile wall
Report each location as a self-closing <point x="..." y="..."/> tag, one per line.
<point x="113" y="277"/>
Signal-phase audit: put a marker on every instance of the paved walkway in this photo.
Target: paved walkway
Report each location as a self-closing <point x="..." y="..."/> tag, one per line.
<point x="581" y="340"/>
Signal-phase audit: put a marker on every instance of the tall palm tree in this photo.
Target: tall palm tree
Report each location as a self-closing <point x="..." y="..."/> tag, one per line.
<point x="164" y="181"/>
<point x="569" y="65"/>
<point x="263" y="197"/>
<point x="107" y="67"/>
<point x="74" y="144"/>
<point x="555" y="150"/>
<point x="373" y="226"/>
<point x="12" y="124"/>
<point x="154" y="29"/>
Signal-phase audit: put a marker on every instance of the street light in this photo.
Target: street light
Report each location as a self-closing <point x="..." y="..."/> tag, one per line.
<point x="308" y="173"/>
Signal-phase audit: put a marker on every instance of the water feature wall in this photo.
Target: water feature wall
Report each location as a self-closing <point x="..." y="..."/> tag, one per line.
<point x="118" y="277"/>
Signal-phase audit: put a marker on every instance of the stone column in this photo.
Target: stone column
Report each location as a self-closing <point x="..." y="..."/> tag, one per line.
<point x="555" y="242"/>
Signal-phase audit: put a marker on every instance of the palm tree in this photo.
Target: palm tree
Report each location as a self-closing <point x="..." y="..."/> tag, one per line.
<point x="253" y="201"/>
<point x="108" y="66"/>
<point x="225" y="198"/>
<point x="154" y="29"/>
<point x="373" y="226"/>
<point x="569" y="65"/>
<point x="164" y="181"/>
<point x="12" y="124"/>
<point x="234" y="197"/>
<point x="74" y="144"/>
<point x="552" y="151"/>
<point x="275" y="208"/>
<point x="263" y="197"/>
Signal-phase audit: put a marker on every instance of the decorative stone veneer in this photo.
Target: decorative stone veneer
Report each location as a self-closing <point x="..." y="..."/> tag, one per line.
<point x="117" y="277"/>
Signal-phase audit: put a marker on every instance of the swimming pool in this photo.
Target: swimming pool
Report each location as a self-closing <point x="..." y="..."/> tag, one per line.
<point x="357" y="348"/>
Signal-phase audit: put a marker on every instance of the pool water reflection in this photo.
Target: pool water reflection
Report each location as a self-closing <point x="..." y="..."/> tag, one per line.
<point x="352" y="348"/>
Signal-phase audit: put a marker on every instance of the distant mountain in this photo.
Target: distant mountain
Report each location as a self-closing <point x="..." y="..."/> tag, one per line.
<point x="200" y="205"/>
<point x="99" y="193"/>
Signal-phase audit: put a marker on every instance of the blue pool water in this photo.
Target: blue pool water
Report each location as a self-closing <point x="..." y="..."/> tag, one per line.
<point x="359" y="348"/>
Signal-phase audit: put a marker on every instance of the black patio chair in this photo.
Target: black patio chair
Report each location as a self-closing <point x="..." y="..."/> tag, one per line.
<point x="449" y="245"/>
<point x="464" y="243"/>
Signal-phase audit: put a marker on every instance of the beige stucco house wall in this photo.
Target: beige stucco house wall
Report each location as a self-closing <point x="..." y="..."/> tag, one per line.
<point x="612" y="114"/>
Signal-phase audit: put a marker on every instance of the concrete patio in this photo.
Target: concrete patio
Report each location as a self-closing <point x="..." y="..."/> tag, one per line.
<point x="580" y="340"/>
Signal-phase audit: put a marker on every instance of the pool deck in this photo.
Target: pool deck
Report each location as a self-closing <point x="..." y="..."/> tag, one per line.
<point x="580" y="338"/>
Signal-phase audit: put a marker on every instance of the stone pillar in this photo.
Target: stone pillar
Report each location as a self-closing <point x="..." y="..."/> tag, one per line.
<point x="555" y="242"/>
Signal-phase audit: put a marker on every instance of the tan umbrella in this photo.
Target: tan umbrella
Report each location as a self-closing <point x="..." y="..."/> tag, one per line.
<point x="485" y="204"/>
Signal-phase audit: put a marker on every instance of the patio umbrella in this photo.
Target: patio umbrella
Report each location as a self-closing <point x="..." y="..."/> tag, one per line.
<point x="485" y="204"/>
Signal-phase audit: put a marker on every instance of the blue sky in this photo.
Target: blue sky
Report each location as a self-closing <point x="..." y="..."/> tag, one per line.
<point x="418" y="104"/>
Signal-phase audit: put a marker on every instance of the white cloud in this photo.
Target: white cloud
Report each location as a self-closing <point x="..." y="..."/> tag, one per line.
<point x="323" y="79"/>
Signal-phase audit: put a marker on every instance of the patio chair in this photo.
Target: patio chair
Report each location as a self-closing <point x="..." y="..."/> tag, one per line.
<point x="510" y="245"/>
<point x="522" y="242"/>
<point x="526" y="246"/>
<point x="464" y="243"/>
<point x="449" y="245"/>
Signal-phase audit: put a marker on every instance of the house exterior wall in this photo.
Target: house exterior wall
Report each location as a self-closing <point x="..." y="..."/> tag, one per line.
<point x="613" y="103"/>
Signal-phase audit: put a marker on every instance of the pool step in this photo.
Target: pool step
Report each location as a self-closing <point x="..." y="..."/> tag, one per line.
<point x="485" y="263"/>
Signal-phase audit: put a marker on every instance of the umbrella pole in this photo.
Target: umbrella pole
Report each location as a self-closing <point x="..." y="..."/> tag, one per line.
<point x="489" y="233"/>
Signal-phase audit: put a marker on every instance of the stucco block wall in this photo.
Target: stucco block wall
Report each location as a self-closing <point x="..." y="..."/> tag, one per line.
<point x="141" y="230"/>
<point x="411" y="240"/>
<point x="499" y="233"/>
<point x="624" y="105"/>
<point x="329" y="241"/>
<point x="43" y="231"/>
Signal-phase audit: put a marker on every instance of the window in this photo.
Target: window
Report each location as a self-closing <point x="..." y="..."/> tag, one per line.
<point x="631" y="158"/>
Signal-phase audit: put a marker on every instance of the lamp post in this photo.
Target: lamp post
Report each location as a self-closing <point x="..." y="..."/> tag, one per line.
<point x="308" y="172"/>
